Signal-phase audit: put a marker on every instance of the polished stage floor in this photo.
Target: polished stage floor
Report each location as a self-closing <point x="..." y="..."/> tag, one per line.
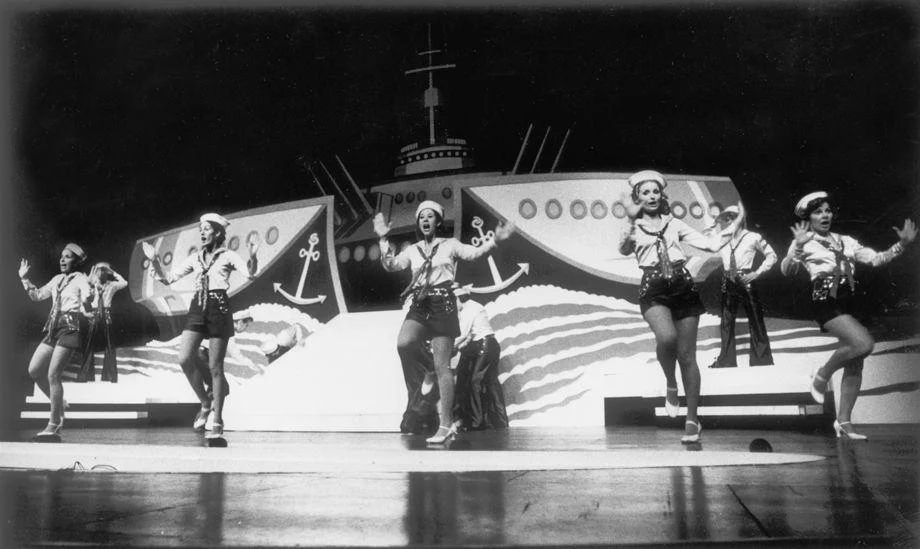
<point x="523" y="487"/>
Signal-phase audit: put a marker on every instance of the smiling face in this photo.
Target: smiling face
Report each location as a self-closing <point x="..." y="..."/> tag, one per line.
<point x="428" y="222"/>
<point x="649" y="196"/>
<point x="821" y="218"/>
<point x="68" y="261"/>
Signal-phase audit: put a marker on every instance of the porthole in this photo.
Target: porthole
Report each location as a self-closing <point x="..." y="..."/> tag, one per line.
<point x="271" y="235"/>
<point x="553" y="208"/>
<point x="410" y="197"/>
<point x="373" y="253"/>
<point x="678" y="209"/>
<point x="598" y="210"/>
<point x="422" y="195"/>
<point x="359" y="253"/>
<point x="618" y="210"/>
<point x="527" y="208"/>
<point x="234" y="243"/>
<point x="398" y="198"/>
<point x="696" y="210"/>
<point x="578" y="209"/>
<point x="344" y="254"/>
<point x="715" y="209"/>
<point x="447" y="192"/>
<point x="167" y="258"/>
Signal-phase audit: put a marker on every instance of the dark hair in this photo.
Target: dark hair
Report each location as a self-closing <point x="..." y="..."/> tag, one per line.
<point x="439" y="229"/>
<point x="664" y="207"/>
<point x="815" y="204"/>
<point x="220" y="233"/>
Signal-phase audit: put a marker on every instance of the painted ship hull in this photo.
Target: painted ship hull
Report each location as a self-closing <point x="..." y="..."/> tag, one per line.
<point x="294" y="247"/>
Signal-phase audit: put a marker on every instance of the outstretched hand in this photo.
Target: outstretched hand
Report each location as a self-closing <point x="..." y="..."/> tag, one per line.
<point x="632" y="209"/>
<point x="24" y="267"/>
<point x="908" y="233"/>
<point x="381" y="227"/>
<point x="504" y="230"/>
<point x="801" y="234"/>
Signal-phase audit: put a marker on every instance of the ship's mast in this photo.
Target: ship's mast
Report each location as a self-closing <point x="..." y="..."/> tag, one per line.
<point x="432" y="94"/>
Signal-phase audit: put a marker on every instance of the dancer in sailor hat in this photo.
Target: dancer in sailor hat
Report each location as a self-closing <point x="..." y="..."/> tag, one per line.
<point x="668" y="298"/>
<point x="209" y="313"/>
<point x="830" y="260"/>
<point x="432" y="310"/>
<point x="64" y="331"/>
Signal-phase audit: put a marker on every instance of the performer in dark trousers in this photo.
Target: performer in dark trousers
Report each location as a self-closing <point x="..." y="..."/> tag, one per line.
<point x="480" y="399"/>
<point x="668" y="297"/>
<point x="432" y="310"/>
<point x="104" y="282"/>
<point x="830" y="260"/>
<point x="739" y="286"/>
<point x="64" y="331"/>
<point x="209" y="314"/>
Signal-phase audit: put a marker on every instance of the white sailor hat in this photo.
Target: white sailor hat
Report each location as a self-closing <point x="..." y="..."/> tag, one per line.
<point x="429" y="205"/>
<point x="242" y="315"/>
<point x="76" y="250"/>
<point x="646" y="175"/>
<point x="215" y="218"/>
<point x="805" y="200"/>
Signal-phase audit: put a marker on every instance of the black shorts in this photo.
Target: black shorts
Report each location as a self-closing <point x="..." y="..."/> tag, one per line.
<point x="437" y="311"/>
<point x="216" y="320"/>
<point x="67" y="331"/>
<point x="677" y="293"/>
<point x="826" y="307"/>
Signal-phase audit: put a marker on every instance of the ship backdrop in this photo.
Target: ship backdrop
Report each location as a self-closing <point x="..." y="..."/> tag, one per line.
<point x="320" y="353"/>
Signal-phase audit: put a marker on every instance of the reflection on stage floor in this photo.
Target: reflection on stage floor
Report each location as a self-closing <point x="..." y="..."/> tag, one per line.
<point x="844" y="493"/>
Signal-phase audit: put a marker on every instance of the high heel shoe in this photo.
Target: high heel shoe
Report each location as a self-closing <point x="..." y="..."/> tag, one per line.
<point x="690" y="438"/>
<point x="443" y="435"/>
<point x="217" y="431"/>
<point x="209" y="423"/>
<point x="847" y="432"/>
<point x="201" y="419"/>
<point x="51" y="429"/>
<point x="671" y="408"/>
<point x="818" y="386"/>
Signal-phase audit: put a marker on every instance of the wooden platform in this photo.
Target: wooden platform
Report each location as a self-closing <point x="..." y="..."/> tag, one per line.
<point x="522" y="487"/>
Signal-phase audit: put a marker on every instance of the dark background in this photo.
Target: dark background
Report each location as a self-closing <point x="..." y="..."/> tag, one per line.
<point x="124" y="120"/>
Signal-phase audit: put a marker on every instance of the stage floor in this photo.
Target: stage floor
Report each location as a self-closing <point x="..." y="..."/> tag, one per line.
<point x="527" y="486"/>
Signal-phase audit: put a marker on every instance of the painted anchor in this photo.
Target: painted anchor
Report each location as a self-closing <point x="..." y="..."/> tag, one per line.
<point x="308" y="255"/>
<point x="499" y="284"/>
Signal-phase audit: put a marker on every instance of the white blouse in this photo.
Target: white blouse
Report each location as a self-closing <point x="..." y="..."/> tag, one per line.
<point x="676" y="231"/>
<point x="225" y="263"/>
<point x="443" y="263"/>
<point x="74" y="293"/>
<point x="819" y="259"/>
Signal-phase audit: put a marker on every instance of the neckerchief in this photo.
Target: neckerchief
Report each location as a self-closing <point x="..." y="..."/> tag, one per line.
<point x="201" y="285"/>
<point x="425" y="270"/>
<point x="842" y="266"/>
<point x="56" y="302"/>
<point x="661" y="246"/>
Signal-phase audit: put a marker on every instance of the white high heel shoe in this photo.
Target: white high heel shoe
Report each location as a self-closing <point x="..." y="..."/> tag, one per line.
<point x="847" y="432"/>
<point x="443" y="435"/>
<point x="692" y="437"/>
<point x="818" y="386"/>
<point x="671" y="408"/>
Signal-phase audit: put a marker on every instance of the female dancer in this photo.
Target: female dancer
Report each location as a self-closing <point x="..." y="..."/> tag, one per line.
<point x="433" y="309"/>
<point x="209" y="313"/>
<point x="69" y="292"/>
<point x="667" y="295"/>
<point x="104" y="282"/>
<point x="829" y="259"/>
